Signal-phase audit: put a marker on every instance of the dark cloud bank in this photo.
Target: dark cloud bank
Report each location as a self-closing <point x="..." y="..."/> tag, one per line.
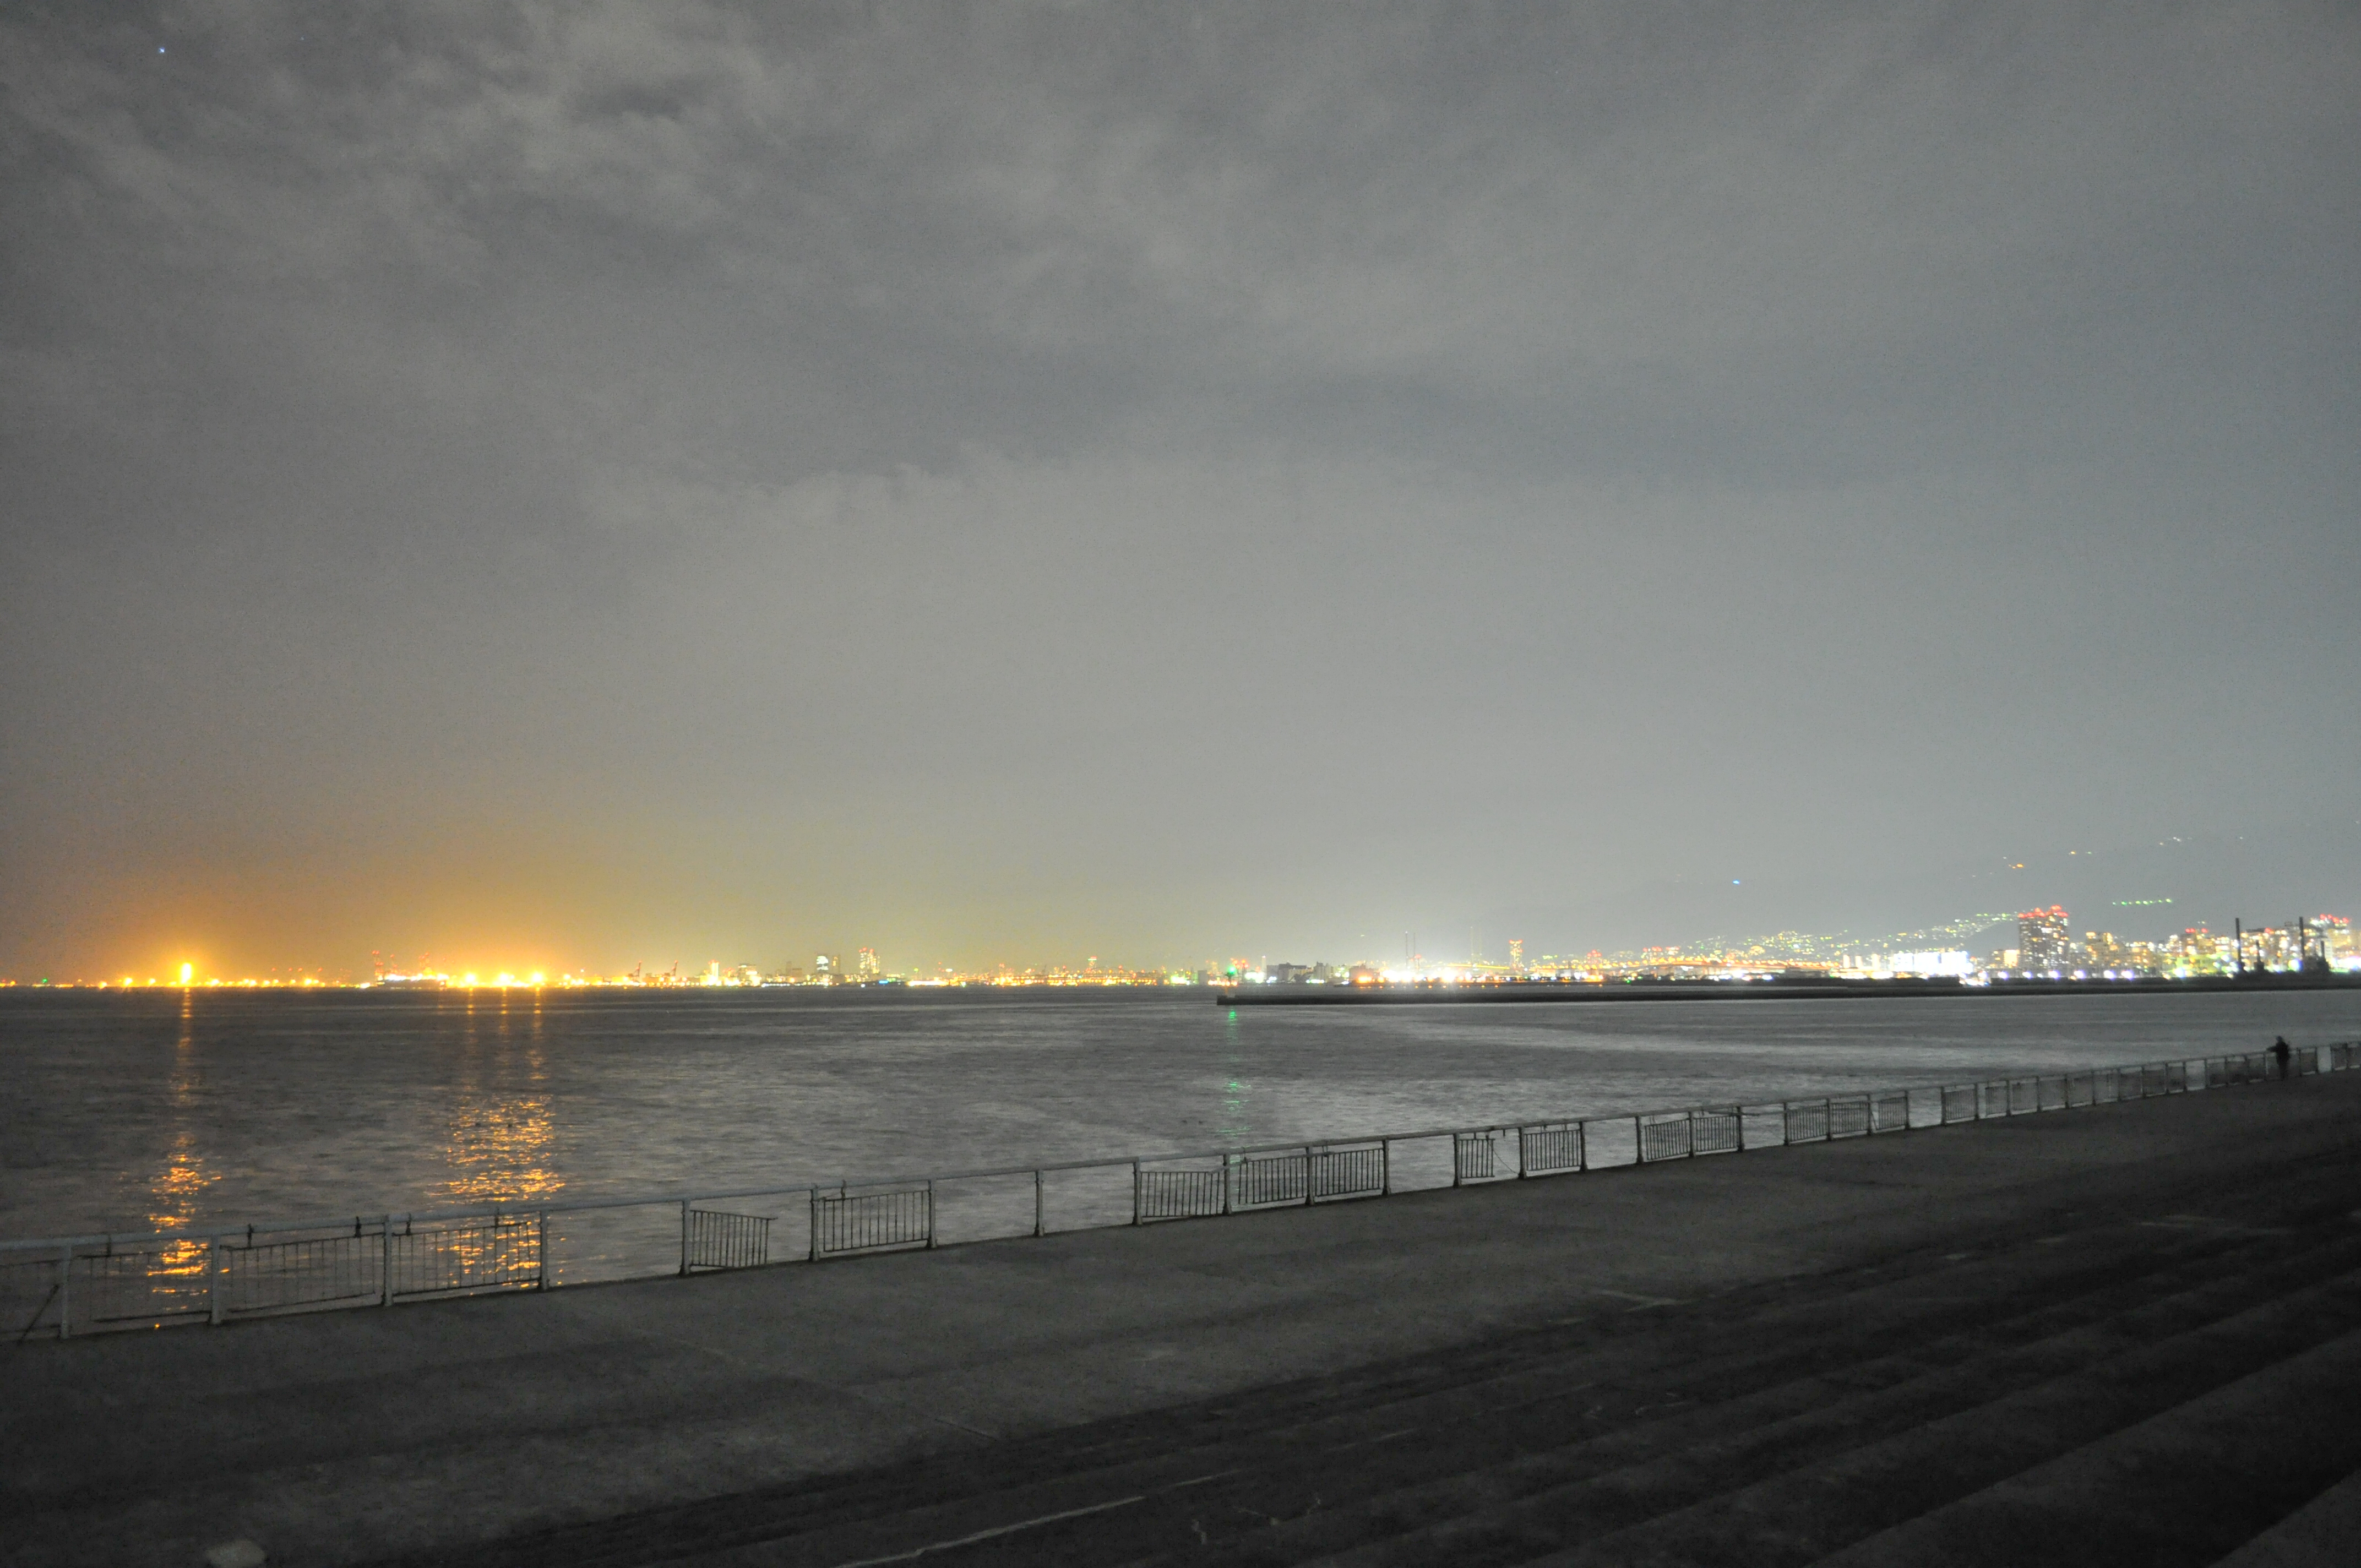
<point x="595" y="483"/>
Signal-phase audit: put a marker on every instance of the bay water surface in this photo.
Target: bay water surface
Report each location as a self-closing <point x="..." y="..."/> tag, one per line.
<point x="124" y="1111"/>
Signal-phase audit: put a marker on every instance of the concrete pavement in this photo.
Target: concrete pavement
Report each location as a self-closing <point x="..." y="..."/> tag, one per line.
<point x="343" y="1437"/>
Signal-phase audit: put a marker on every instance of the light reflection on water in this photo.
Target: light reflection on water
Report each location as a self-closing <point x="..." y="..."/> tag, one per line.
<point x="498" y="1151"/>
<point x="499" y="1144"/>
<point x="125" y="1110"/>
<point x="176" y="1192"/>
<point x="1235" y="1126"/>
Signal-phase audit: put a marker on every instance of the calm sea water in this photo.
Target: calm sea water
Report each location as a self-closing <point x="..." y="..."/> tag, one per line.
<point x="122" y="1111"/>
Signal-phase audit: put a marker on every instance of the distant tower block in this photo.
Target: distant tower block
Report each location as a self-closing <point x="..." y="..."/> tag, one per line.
<point x="869" y="969"/>
<point x="2045" y="938"/>
<point x="1517" y="954"/>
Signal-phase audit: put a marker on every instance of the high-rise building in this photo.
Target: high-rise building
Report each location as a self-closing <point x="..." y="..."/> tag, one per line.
<point x="2333" y="937"/>
<point x="2044" y="938"/>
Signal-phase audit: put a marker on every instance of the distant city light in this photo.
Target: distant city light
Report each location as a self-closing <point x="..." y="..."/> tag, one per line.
<point x="2044" y="945"/>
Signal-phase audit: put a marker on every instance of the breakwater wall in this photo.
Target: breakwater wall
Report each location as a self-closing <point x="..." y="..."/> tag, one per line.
<point x="1815" y="988"/>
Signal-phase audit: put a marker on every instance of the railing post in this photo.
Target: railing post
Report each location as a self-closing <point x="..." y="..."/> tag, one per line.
<point x="1135" y="1192"/>
<point x="930" y="1214"/>
<point x="1786" y="1124"/>
<point x="1307" y="1176"/>
<point x="540" y="1248"/>
<point x="684" y="1236"/>
<point x="385" y="1266"/>
<point x="1581" y="1147"/>
<point x="1385" y="1165"/>
<point x="1037" y="1202"/>
<point x="65" y="1291"/>
<point x="814" y="1228"/>
<point x="214" y="1302"/>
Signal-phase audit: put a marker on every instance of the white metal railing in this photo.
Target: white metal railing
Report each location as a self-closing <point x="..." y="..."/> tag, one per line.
<point x="71" y="1285"/>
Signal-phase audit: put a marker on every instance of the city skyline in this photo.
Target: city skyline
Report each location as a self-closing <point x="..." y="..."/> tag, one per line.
<point x="2046" y="942"/>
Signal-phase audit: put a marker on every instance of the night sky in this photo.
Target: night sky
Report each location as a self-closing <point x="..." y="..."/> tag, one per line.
<point x="576" y="484"/>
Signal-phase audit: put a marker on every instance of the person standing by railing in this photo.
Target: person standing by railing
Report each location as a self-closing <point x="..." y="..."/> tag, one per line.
<point x="2279" y="1051"/>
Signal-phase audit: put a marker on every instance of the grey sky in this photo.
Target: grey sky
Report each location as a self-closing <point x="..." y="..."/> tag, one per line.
<point x="584" y="483"/>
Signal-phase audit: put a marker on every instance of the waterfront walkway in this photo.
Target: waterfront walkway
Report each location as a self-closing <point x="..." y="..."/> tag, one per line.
<point x="2130" y="1334"/>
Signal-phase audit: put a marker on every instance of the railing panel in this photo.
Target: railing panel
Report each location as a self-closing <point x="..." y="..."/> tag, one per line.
<point x="141" y="1285"/>
<point x="1551" y="1149"/>
<point x="1348" y="1173"/>
<point x="1258" y="1181"/>
<point x="2050" y="1093"/>
<point x="1665" y="1137"/>
<point x="720" y="1239"/>
<point x="1715" y="1131"/>
<point x="848" y="1222"/>
<point x="441" y="1258"/>
<point x="1807" y="1120"/>
<point x="281" y="1275"/>
<point x="1181" y="1194"/>
<point x="1848" y="1117"/>
<point x="2024" y="1096"/>
<point x="1476" y="1157"/>
<point x="1959" y="1102"/>
<point x="1992" y="1099"/>
<point x="1890" y="1111"/>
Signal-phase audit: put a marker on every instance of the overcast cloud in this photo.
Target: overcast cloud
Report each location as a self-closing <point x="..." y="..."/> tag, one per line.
<point x="575" y="485"/>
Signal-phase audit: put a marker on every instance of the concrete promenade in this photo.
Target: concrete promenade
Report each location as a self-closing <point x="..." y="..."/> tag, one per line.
<point x="464" y="1429"/>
